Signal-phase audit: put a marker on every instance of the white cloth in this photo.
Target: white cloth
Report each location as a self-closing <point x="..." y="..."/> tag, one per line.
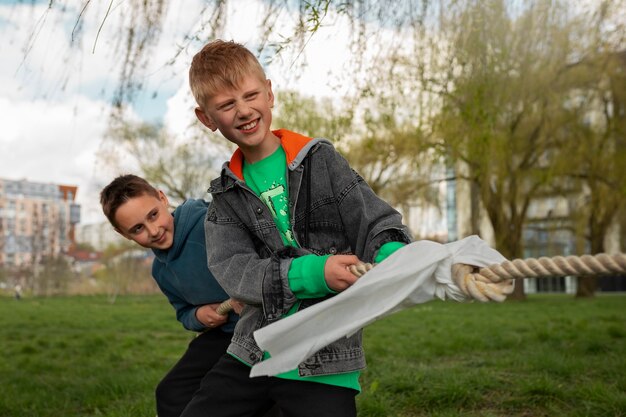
<point x="415" y="274"/>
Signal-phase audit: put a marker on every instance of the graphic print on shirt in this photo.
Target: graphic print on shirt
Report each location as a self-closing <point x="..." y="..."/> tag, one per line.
<point x="275" y="198"/>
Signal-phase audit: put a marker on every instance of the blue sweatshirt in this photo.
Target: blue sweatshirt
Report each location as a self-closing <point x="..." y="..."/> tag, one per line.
<point x="182" y="272"/>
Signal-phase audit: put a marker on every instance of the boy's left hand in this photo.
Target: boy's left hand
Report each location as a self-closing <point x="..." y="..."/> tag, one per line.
<point x="207" y="315"/>
<point x="337" y="273"/>
<point x="237" y="305"/>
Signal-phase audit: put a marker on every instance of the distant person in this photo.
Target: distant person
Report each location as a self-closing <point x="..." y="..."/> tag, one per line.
<point x="18" y="292"/>
<point x="140" y="212"/>
<point x="292" y="216"/>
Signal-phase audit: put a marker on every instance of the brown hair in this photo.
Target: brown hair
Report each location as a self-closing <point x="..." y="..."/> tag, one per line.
<point x="221" y="64"/>
<point x="122" y="189"/>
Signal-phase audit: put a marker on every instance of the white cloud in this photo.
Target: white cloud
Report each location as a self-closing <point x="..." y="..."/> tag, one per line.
<point x="51" y="142"/>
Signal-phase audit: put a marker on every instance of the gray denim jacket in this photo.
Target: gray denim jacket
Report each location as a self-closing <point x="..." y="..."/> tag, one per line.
<point x="342" y="216"/>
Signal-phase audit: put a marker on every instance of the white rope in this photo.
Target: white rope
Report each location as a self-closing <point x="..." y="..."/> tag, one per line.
<point x="558" y="266"/>
<point x="224" y="308"/>
<point x="544" y="267"/>
<point x="495" y="282"/>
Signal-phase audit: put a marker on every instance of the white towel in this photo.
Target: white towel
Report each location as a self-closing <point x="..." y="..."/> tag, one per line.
<point x="415" y="274"/>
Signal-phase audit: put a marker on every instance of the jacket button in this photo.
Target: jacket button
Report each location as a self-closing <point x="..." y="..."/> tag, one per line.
<point x="333" y="250"/>
<point x="259" y="210"/>
<point x="253" y="357"/>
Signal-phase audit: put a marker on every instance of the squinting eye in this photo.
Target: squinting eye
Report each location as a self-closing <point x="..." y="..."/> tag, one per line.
<point x="137" y="229"/>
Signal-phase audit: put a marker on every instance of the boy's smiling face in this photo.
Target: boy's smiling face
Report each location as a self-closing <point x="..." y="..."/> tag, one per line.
<point x="147" y="221"/>
<point x="244" y="116"/>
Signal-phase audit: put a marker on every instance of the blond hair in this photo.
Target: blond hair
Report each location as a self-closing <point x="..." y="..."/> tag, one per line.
<point x="219" y="65"/>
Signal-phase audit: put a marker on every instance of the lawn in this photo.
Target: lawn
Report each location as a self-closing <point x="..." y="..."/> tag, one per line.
<point x="547" y="356"/>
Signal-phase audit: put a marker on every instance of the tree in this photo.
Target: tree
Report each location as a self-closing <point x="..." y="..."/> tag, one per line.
<point x="312" y="117"/>
<point x="136" y="33"/>
<point x="386" y="151"/>
<point x="505" y="84"/>
<point x="125" y="270"/>
<point x="500" y="78"/>
<point x="598" y="150"/>
<point x="54" y="277"/>
<point x="183" y="168"/>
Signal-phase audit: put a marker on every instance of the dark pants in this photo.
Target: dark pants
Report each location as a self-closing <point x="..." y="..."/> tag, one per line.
<point x="177" y="387"/>
<point x="228" y="391"/>
<point x="183" y="380"/>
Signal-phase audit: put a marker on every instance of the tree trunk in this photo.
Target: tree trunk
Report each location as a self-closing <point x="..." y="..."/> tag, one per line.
<point x="508" y="244"/>
<point x="587" y="286"/>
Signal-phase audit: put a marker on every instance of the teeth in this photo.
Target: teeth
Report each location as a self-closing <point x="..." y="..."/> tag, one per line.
<point x="249" y="125"/>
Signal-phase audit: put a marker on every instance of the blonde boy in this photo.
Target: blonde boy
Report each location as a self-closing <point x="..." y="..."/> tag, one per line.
<point x="292" y="216"/>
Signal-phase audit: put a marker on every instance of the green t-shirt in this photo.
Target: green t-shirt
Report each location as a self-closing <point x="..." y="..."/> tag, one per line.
<point x="268" y="179"/>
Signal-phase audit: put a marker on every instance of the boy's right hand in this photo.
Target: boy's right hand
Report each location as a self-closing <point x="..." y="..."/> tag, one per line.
<point x="210" y="318"/>
<point x="336" y="273"/>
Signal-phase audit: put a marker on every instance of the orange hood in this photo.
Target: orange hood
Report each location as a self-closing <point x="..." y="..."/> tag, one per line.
<point x="291" y="142"/>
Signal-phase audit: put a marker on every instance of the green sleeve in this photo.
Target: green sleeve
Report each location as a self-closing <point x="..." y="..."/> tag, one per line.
<point x="306" y="277"/>
<point x="306" y="274"/>
<point x="386" y="250"/>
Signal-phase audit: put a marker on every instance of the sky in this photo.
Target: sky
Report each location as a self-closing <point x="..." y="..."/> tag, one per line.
<point x="55" y="88"/>
<point x="55" y="92"/>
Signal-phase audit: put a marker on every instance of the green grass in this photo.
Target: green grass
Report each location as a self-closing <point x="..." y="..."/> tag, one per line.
<point x="548" y="356"/>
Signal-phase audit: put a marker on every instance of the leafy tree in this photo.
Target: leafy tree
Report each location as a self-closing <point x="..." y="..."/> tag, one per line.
<point x="283" y="31"/>
<point x="385" y="151"/>
<point x="54" y="277"/>
<point x="125" y="270"/>
<point x="183" y="168"/>
<point x="311" y="116"/>
<point x="505" y="78"/>
<point x="597" y="150"/>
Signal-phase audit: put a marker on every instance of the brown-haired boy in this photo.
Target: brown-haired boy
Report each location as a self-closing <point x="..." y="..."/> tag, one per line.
<point x="140" y="212"/>
<point x="292" y="216"/>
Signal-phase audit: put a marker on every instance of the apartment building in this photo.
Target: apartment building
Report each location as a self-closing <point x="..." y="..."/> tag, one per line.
<point x="36" y="220"/>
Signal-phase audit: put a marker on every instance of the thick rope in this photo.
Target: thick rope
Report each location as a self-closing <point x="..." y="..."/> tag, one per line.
<point x="558" y="266"/>
<point x="224" y="308"/>
<point x="544" y="267"/>
<point x="495" y="282"/>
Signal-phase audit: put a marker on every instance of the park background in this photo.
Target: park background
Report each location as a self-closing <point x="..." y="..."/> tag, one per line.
<point x="504" y="119"/>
